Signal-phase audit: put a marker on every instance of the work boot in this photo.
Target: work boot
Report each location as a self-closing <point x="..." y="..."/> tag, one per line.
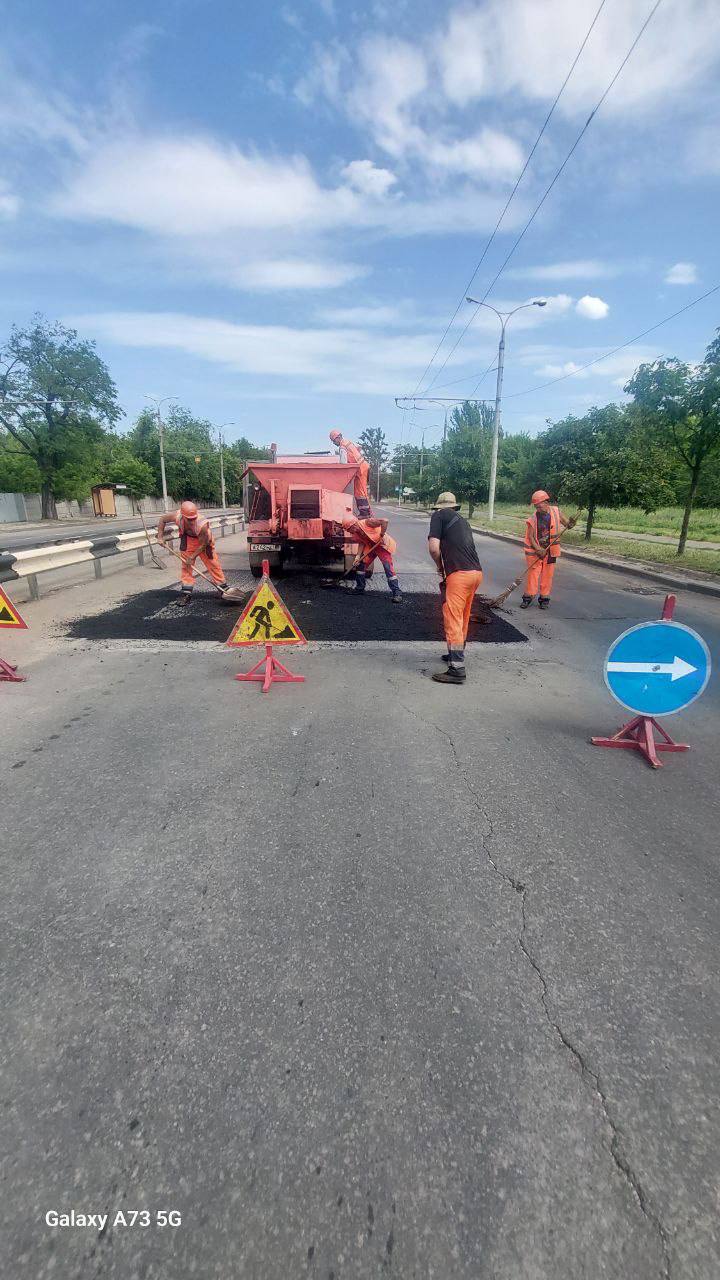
<point x="396" y="597"/>
<point x="526" y="602"/>
<point x="543" y="603"/>
<point x="453" y="675"/>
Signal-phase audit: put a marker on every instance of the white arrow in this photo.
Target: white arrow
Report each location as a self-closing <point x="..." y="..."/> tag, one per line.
<point x="675" y="669"/>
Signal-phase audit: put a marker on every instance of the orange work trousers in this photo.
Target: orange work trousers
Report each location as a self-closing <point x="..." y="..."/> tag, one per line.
<point x="540" y="577"/>
<point x="460" y="587"/>
<point x="209" y="559"/>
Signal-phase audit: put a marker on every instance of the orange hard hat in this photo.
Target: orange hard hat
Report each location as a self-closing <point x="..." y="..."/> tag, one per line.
<point x="336" y="436"/>
<point x="540" y="496"/>
<point x="189" y="510"/>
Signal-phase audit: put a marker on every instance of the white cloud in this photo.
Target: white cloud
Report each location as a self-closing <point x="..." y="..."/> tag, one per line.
<point x="682" y="273"/>
<point x="9" y="203"/>
<point x="197" y="187"/>
<point x="577" y="269"/>
<point x="192" y="185"/>
<point x="27" y="112"/>
<point x="348" y="359"/>
<point x="367" y="178"/>
<point x="296" y="273"/>
<point x="520" y="47"/>
<point x="591" y="308"/>
<point x="382" y="316"/>
<point x="387" y="86"/>
<point x="391" y="74"/>
<point x="487" y="153"/>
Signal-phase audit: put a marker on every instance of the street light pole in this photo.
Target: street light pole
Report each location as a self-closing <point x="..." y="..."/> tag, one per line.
<point x="157" y="404"/>
<point x="503" y="317"/>
<point x="221" y="446"/>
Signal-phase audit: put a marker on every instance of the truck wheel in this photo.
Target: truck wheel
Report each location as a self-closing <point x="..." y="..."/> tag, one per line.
<point x="256" y="570"/>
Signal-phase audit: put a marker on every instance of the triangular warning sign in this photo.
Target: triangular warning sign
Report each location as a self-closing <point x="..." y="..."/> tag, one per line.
<point x="9" y="616"/>
<point x="265" y="619"/>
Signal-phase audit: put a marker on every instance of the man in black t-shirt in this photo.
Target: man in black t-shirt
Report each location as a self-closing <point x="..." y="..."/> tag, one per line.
<point x="452" y="547"/>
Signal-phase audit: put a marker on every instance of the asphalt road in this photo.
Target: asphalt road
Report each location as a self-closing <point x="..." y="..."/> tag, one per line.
<point x="19" y="538"/>
<point x="367" y="977"/>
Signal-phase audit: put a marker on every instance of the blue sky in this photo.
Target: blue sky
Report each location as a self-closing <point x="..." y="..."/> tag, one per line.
<point x="269" y="212"/>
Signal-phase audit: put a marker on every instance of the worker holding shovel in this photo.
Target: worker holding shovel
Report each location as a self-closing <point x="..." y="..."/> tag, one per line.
<point x="196" y="543"/>
<point x="542" y="548"/>
<point x="375" y="543"/>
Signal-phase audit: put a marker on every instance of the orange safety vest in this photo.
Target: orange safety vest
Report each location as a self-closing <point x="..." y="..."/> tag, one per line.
<point x="531" y="527"/>
<point x="370" y="536"/>
<point x="186" y="533"/>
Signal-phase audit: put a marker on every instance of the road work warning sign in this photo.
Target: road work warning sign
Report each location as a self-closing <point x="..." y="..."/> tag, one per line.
<point x="9" y="616"/>
<point x="265" y="620"/>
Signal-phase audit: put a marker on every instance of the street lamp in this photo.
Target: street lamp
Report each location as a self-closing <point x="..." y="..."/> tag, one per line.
<point x="157" y="404"/>
<point x="222" y="467"/>
<point x="503" y="317"/>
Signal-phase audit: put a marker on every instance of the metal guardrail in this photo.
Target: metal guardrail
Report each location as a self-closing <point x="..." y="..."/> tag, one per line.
<point x="30" y="562"/>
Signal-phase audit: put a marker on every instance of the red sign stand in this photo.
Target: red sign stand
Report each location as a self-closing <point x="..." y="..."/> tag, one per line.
<point x="637" y="734"/>
<point x="270" y="671"/>
<point x="9" y="672"/>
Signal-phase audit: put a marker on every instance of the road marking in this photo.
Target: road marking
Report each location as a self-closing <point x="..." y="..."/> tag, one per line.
<point x="675" y="669"/>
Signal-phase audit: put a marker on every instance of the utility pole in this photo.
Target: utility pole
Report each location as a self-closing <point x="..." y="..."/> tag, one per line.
<point x="157" y="403"/>
<point x="445" y="428"/>
<point x="222" y="475"/>
<point x="422" y="454"/>
<point x="503" y="317"/>
<point x="221" y="446"/>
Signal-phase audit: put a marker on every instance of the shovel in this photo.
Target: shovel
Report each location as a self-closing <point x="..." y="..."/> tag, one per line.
<point x="330" y="584"/>
<point x="231" y="595"/>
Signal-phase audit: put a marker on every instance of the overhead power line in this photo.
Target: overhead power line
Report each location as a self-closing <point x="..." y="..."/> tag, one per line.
<point x="549" y="187"/>
<point x="510" y="198"/>
<point x="561" y="378"/>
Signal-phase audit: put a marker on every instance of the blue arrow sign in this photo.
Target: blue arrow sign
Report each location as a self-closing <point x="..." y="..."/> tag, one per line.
<point x="657" y="668"/>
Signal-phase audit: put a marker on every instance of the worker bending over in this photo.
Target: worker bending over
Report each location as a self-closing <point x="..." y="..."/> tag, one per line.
<point x="542" y="548"/>
<point x="452" y="547"/>
<point x="196" y="542"/>
<point x="375" y="543"/>
<point x="353" y="454"/>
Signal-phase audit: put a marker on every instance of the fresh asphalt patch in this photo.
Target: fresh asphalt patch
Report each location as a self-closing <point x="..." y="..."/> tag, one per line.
<point x="323" y="615"/>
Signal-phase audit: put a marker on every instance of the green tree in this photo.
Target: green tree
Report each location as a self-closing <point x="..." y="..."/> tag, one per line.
<point x="602" y="459"/>
<point x="681" y="407"/>
<point x="375" y="447"/>
<point x="56" y="401"/>
<point x="192" y="459"/>
<point x="237" y="455"/>
<point x="464" y="457"/>
<point x="18" y="471"/>
<point x="517" y="467"/>
<point x="120" y="466"/>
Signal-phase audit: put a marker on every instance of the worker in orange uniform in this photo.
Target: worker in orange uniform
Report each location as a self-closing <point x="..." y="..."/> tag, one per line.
<point x="196" y="543"/>
<point x="542" y="548"/>
<point x="375" y="544"/>
<point x="353" y="454"/>
<point x="452" y="547"/>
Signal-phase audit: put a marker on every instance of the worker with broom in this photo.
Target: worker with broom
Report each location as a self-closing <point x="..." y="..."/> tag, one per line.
<point x="542" y="548"/>
<point x="452" y="547"/>
<point x="375" y="543"/>
<point x="354" y="455"/>
<point x="196" y="543"/>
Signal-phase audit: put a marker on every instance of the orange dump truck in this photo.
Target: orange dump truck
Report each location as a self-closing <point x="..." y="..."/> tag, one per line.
<point x="297" y="503"/>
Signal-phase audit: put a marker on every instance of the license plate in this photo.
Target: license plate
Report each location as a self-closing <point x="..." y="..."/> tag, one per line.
<point x="263" y="546"/>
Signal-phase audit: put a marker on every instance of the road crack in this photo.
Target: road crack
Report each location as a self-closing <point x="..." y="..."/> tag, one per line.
<point x="587" y="1075"/>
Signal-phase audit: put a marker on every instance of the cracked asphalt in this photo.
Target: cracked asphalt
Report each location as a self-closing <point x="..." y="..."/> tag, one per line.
<point x="368" y="977"/>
